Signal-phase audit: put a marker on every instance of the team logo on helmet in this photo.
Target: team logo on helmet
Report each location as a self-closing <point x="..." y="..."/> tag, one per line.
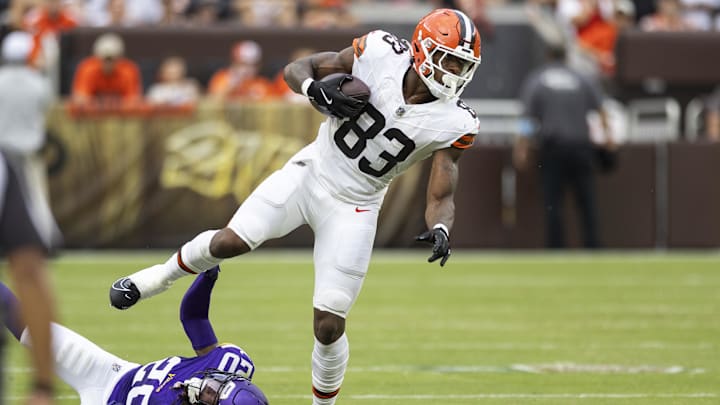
<point x="440" y="37"/>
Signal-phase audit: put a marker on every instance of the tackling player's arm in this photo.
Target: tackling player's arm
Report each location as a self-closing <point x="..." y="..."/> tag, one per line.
<point x="194" y="310"/>
<point x="301" y="76"/>
<point x="440" y="210"/>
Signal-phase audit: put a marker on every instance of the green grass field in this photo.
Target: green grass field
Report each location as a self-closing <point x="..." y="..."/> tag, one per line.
<point x="494" y="328"/>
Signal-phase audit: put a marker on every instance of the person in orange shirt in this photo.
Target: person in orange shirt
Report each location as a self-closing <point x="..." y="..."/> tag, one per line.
<point x="242" y="79"/>
<point x="107" y="75"/>
<point x="52" y="18"/>
<point x="599" y="40"/>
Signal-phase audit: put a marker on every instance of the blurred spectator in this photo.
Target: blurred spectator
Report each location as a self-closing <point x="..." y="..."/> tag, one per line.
<point x="643" y="8"/>
<point x="624" y="17"/>
<point x="668" y="17"/>
<point x="712" y="116"/>
<point x="543" y="16"/>
<point x="205" y="12"/>
<point x="52" y="17"/>
<point x="103" y="13"/>
<point x="583" y="16"/>
<point x="242" y="78"/>
<point x="557" y="101"/>
<point x="587" y="24"/>
<point x="107" y="75"/>
<point x="173" y="87"/>
<point x="15" y="10"/>
<point x="265" y="13"/>
<point x="324" y="14"/>
<point x="281" y="88"/>
<point x="599" y="40"/>
<point x="699" y="13"/>
<point x="46" y="22"/>
<point x="27" y="227"/>
<point x="13" y="14"/>
<point x="174" y="11"/>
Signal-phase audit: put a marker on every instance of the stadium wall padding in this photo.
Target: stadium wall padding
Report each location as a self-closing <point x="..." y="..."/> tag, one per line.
<point x="154" y="180"/>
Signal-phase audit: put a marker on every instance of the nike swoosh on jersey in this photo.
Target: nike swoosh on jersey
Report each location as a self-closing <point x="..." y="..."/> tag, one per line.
<point x="357" y="209"/>
<point x="327" y="99"/>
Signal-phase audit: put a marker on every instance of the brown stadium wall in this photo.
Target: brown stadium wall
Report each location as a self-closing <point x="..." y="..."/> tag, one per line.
<point x="156" y="178"/>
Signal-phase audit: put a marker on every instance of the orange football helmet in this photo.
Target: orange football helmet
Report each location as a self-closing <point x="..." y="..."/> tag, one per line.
<point x="441" y="33"/>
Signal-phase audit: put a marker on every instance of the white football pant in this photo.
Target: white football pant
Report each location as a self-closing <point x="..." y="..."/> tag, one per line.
<point x="83" y="365"/>
<point x="344" y="232"/>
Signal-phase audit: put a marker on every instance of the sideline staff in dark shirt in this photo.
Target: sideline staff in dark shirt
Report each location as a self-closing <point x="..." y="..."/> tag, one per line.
<point x="557" y="101"/>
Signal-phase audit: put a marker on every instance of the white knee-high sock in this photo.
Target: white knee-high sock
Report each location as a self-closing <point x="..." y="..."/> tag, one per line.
<point x="329" y="363"/>
<point x="192" y="258"/>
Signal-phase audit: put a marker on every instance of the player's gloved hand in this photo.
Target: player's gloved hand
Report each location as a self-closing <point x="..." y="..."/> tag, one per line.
<point x="191" y="389"/>
<point x="327" y="95"/>
<point x="441" y="244"/>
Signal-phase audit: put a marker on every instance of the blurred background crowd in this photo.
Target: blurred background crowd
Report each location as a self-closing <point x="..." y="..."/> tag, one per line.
<point x="590" y="28"/>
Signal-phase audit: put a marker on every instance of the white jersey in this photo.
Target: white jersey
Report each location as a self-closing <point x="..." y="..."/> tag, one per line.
<point x="355" y="159"/>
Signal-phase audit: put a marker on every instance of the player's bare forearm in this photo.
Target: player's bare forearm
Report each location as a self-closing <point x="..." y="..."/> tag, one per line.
<point x="317" y="66"/>
<point x="441" y="188"/>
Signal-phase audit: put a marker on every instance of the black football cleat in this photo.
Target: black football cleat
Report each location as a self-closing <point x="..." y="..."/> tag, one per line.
<point x="124" y="293"/>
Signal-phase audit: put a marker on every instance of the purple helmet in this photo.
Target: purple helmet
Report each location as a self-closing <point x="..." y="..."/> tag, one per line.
<point x="222" y="388"/>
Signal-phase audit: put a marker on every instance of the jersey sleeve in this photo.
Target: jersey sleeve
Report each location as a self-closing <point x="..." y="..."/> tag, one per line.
<point x="464" y="141"/>
<point x="468" y="125"/>
<point x="377" y="45"/>
<point x="359" y="45"/>
<point x="378" y="53"/>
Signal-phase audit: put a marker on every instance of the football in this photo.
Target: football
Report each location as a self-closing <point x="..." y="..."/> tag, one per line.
<point x="354" y="88"/>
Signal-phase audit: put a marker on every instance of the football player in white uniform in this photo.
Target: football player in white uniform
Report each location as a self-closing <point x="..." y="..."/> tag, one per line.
<point x="337" y="183"/>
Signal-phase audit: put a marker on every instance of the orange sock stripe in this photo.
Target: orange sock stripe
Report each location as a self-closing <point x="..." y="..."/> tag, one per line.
<point x="325" y="395"/>
<point x="183" y="265"/>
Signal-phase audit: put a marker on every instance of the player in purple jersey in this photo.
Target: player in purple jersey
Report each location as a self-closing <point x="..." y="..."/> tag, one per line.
<point x="220" y="374"/>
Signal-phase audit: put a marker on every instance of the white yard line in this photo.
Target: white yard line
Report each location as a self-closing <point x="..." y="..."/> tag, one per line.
<point x="405" y="255"/>
<point x="514" y="396"/>
<point x="545" y="368"/>
<point x="434" y="397"/>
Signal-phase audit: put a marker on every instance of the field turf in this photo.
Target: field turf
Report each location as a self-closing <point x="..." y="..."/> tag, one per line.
<point x="489" y="328"/>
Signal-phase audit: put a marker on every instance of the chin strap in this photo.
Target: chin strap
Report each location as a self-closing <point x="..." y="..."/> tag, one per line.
<point x="451" y="83"/>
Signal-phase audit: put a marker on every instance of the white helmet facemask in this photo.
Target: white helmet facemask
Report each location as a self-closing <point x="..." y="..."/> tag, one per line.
<point x="452" y="85"/>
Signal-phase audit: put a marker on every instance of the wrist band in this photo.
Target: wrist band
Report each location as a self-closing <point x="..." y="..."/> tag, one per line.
<point x="443" y="227"/>
<point x="305" y="85"/>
